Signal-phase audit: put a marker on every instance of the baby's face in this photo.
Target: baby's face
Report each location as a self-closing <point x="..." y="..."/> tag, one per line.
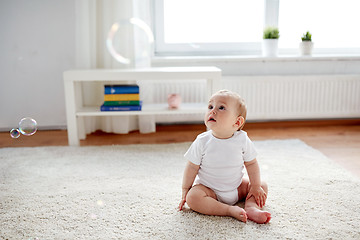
<point x="221" y="116"/>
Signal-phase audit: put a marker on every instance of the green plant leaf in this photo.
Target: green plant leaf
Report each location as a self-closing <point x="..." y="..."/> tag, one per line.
<point x="306" y="37"/>
<point x="271" y="33"/>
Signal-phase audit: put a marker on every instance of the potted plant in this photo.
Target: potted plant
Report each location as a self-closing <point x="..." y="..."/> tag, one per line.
<point x="306" y="45"/>
<point x="270" y="41"/>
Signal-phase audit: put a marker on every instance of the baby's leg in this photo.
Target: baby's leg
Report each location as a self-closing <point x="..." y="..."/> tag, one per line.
<point x="253" y="211"/>
<point x="203" y="200"/>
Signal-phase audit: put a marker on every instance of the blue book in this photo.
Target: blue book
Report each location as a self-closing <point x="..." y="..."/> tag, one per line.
<point x="105" y="108"/>
<point x="121" y="89"/>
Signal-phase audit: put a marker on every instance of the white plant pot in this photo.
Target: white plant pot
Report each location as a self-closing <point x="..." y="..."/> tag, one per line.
<point x="306" y="48"/>
<point x="270" y="47"/>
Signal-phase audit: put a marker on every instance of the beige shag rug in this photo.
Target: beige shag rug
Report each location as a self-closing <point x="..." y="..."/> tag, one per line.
<point x="131" y="192"/>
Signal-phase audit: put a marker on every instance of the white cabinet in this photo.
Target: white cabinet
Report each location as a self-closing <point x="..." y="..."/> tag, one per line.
<point x="73" y="94"/>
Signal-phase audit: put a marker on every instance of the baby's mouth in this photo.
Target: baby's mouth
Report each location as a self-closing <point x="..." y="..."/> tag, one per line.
<point x="211" y="119"/>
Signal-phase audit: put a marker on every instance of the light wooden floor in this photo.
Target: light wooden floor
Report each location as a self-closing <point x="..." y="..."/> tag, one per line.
<point x="337" y="139"/>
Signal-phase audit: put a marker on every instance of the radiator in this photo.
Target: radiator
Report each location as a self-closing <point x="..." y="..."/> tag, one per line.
<point x="298" y="97"/>
<point x="156" y="91"/>
<point x="271" y="97"/>
<point x="191" y="91"/>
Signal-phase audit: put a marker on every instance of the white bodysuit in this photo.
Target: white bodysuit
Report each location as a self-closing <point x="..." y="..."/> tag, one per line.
<point x="221" y="162"/>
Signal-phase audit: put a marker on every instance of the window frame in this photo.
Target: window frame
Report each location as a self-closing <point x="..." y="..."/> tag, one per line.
<point x="271" y="17"/>
<point x="229" y="48"/>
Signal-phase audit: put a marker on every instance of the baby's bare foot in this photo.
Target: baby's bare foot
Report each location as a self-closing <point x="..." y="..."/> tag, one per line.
<point x="257" y="215"/>
<point x="238" y="213"/>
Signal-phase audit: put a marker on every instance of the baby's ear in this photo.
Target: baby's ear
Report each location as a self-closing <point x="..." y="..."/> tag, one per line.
<point x="240" y="122"/>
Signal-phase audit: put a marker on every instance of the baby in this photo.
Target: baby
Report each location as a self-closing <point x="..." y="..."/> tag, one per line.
<point x="213" y="178"/>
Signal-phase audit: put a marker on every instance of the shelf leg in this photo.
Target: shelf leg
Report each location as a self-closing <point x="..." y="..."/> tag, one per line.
<point x="70" y="104"/>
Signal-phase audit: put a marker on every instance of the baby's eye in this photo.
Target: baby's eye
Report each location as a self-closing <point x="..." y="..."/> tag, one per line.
<point x="210" y="107"/>
<point x="221" y="108"/>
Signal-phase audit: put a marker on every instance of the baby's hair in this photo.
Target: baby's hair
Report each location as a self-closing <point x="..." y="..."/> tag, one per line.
<point x="240" y="102"/>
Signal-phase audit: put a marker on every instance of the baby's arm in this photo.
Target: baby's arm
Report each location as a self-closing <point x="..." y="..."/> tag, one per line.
<point x="256" y="190"/>
<point x="190" y="173"/>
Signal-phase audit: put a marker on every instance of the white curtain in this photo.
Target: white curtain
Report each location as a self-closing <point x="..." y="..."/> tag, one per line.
<point x="93" y="21"/>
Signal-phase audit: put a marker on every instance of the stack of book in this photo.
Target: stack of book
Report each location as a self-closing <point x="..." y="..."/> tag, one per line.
<point x="121" y="98"/>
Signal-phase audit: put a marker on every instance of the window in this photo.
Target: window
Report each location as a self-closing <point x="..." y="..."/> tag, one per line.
<point x="333" y="24"/>
<point x="208" y="26"/>
<point x="234" y="27"/>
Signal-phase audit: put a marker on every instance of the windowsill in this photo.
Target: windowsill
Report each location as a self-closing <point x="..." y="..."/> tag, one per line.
<point x="255" y="58"/>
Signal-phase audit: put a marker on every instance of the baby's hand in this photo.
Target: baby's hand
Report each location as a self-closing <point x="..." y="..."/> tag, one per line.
<point x="183" y="198"/>
<point x="259" y="194"/>
<point x="181" y="205"/>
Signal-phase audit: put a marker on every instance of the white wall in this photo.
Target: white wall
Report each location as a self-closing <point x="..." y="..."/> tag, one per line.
<point x="37" y="44"/>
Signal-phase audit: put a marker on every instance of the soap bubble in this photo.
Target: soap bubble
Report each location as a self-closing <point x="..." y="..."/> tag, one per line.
<point x="126" y="28"/>
<point x="27" y="126"/>
<point x="15" y="133"/>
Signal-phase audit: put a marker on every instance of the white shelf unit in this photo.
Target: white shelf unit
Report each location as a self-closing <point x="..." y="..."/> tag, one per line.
<point x="73" y="93"/>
